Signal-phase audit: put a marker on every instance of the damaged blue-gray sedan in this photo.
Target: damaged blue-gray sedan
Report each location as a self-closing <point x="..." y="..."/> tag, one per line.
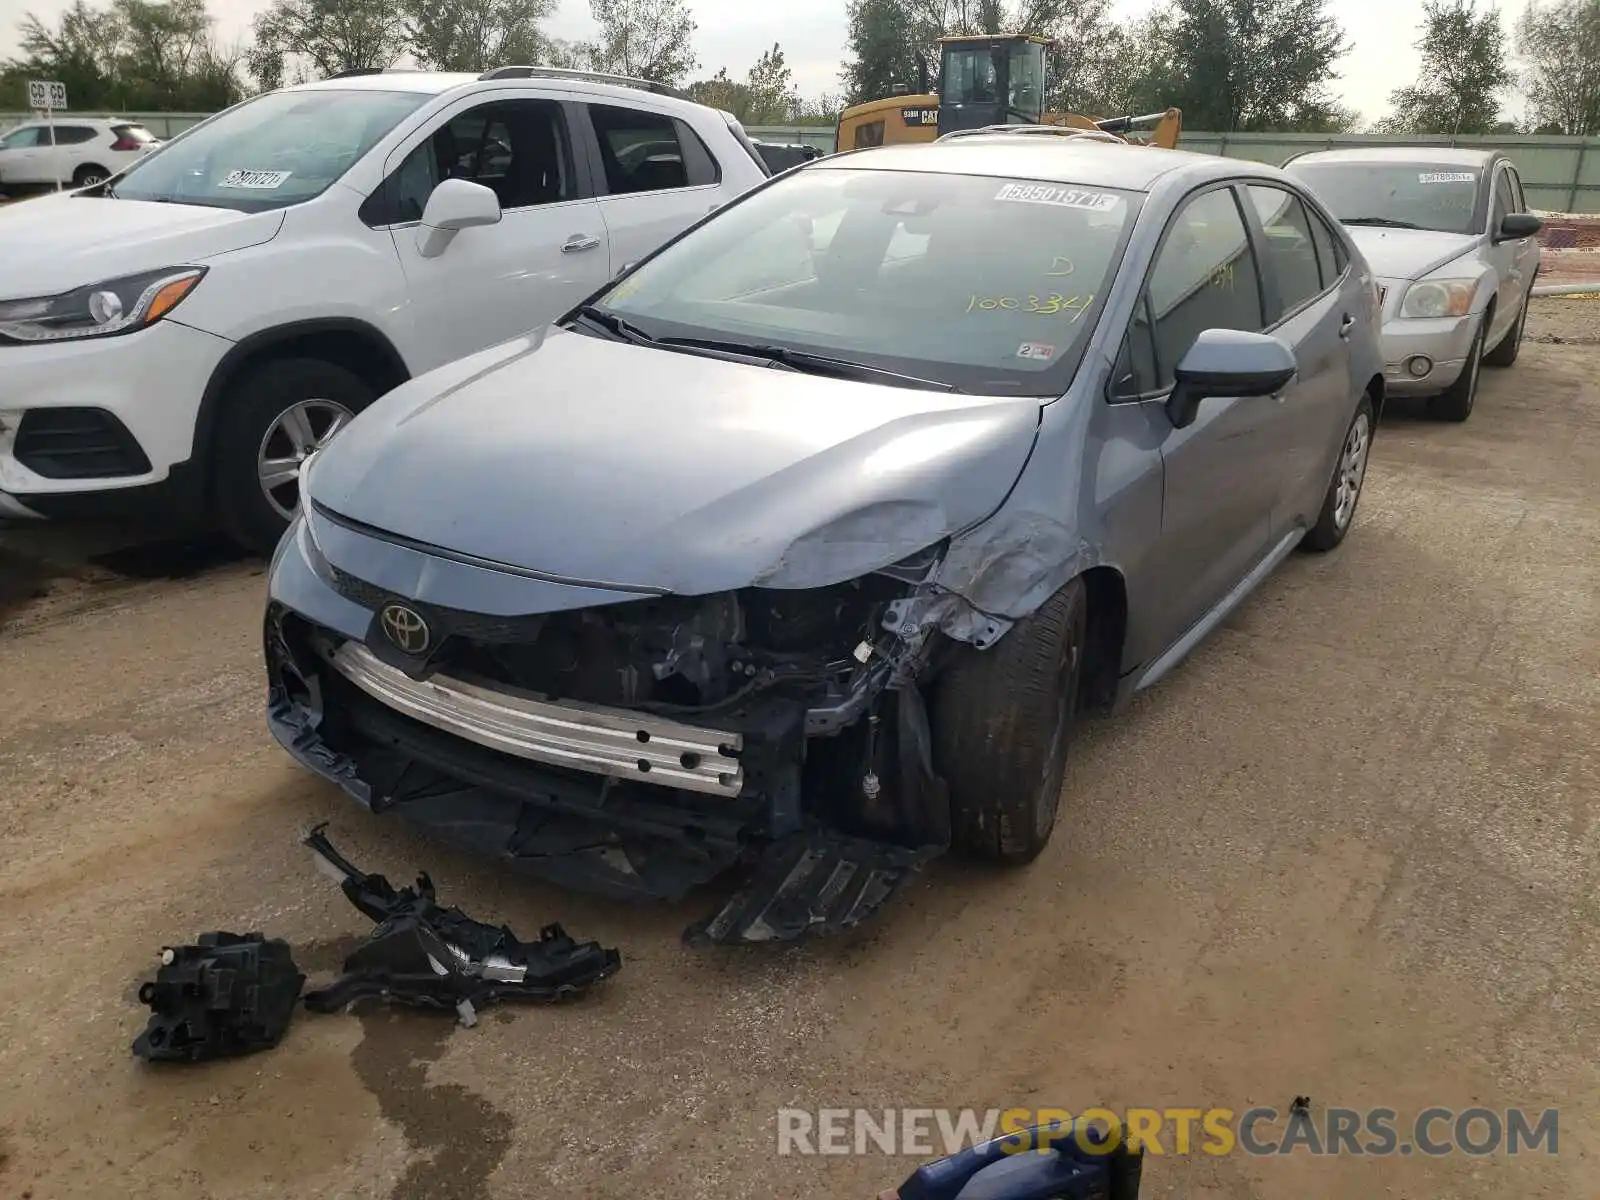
<point x="801" y="549"/>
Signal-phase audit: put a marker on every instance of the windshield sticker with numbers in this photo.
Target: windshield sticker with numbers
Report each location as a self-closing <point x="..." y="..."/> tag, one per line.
<point x="264" y="181"/>
<point x="1061" y="197"/>
<point x="1448" y="177"/>
<point x="1036" y="350"/>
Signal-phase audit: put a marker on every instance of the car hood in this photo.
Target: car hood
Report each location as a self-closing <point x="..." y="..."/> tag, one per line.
<point x="1408" y="253"/>
<point x="601" y="463"/>
<point x="56" y="243"/>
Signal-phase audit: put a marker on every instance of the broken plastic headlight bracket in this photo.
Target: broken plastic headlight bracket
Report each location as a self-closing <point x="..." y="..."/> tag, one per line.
<point x="229" y="994"/>
<point x="431" y="957"/>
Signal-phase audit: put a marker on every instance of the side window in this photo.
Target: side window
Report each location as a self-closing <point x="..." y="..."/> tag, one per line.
<point x="698" y="161"/>
<point x="869" y="134"/>
<point x="1519" y="202"/>
<point x="1135" y="374"/>
<point x="1331" y="257"/>
<point x="516" y="148"/>
<point x="21" y="139"/>
<point x="73" y="135"/>
<point x="1502" y="198"/>
<point x="1291" y="251"/>
<point x="642" y="151"/>
<point x="1204" y="277"/>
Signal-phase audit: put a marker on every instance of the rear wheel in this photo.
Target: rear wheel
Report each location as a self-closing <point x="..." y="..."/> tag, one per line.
<point x="1002" y="721"/>
<point x="1456" y="403"/>
<point x="88" y="175"/>
<point x="271" y="422"/>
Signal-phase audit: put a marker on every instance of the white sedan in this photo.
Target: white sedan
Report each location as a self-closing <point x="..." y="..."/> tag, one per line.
<point x="84" y="151"/>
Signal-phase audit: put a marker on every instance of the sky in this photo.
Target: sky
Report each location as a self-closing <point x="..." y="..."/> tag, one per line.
<point x="733" y="33"/>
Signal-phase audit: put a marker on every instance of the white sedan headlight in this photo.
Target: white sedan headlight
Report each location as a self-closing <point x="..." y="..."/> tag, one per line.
<point x="1439" y="298"/>
<point x="99" y="310"/>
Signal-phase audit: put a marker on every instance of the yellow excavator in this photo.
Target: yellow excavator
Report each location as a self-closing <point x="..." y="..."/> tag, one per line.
<point x="985" y="81"/>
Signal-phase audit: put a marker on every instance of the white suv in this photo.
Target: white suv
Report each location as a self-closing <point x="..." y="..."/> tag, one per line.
<point x="183" y="335"/>
<point x="79" y="151"/>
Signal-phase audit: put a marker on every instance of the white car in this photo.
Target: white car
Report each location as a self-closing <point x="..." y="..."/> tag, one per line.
<point x="85" y="151"/>
<point x="182" y="336"/>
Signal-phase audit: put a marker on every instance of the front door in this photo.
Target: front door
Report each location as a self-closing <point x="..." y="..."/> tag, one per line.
<point x="495" y="282"/>
<point x="1515" y="262"/>
<point x="1224" y="473"/>
<point x="24" y="161"/>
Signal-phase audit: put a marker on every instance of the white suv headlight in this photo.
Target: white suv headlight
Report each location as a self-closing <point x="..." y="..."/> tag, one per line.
<point x="1439" y="298"/>
<point x="99" y="310"/>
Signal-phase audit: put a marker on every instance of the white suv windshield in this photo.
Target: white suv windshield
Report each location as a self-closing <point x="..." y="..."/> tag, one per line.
<point x="1409" y="196"/>
<point x="270" y="152"/>
<point x="979" y="283"/>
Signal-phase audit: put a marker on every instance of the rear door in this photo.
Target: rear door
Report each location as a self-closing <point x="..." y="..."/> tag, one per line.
<point x="21" y="159"/>
<point x="492" y="282"/>
<point x="1306" y="308"/>
<point x="655" y="174"/>
<point x="1223" y="473"/>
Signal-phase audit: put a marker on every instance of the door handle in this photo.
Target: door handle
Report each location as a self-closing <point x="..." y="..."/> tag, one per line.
<point x="1349" y="324"/>
<point x="579" y="242"/>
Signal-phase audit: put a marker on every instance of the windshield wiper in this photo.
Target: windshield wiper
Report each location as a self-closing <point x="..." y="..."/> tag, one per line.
<point x="810" y="364"/>
<point x="615" y="325"/>
<point x="1383" y="222"/>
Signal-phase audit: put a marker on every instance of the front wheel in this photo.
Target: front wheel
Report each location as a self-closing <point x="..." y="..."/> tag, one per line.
<point x="1510" y="346"/>
<point x="1344" y="490"/>
<point x="270" y="424"/>
<point x="1456" y="403"/>
<point x="1002" y="719"/>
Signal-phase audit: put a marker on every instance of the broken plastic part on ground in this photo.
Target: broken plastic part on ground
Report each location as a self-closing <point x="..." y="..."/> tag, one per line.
<point x="229" y="994"/>
<point x="427" y="956"/>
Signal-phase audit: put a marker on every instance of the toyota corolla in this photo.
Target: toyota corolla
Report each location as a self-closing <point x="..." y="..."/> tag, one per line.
<point x="800" y="549"/>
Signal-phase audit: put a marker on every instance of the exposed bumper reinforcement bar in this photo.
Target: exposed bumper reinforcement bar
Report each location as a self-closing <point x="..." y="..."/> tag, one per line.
<point x="605" y="741"/>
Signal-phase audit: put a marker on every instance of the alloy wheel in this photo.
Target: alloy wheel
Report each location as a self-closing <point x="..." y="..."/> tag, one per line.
<point x="296" y="433"/>
<point x="1352" y="470"/>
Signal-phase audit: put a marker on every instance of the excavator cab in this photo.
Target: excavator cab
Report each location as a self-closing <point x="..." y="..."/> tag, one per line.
<point x="987" y="81"/>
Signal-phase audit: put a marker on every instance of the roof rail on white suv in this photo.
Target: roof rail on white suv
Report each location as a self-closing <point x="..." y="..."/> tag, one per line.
<point x="183" y="336"/>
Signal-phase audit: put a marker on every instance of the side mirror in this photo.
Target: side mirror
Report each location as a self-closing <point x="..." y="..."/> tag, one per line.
<point x="1516" y="226"/>
<point x="1228" y="362"/>
<point x="455" y="204"/>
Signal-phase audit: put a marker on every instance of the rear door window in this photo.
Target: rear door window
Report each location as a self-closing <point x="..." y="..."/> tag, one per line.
<point x="1204" y="277"/>
<point x="1331" y="259"/>
<point x="74" y="135"/>
<point x="649" y="152"/>
<point x="1291" y="250"/>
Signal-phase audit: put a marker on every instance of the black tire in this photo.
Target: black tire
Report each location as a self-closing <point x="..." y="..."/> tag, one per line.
<point x="1456" y="403"/>
<point x="88" y="175"/>
<point x="253" y="406"/>
<point x="1002" y="720"/>
<point x="1334" y="521"/>
<point x="1504" y="354"/>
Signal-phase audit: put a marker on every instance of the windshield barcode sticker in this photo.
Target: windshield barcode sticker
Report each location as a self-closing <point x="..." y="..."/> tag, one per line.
<point x="263" y="181"/>
<point x="1061" y="197"/>
<point x="1448" y="177"/>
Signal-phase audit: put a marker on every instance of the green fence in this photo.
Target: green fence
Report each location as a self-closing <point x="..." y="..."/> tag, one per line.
<point x="1560" y="174"/>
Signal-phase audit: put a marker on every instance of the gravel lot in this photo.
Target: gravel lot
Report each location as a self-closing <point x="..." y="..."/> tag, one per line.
<point x="1348" y="851"/>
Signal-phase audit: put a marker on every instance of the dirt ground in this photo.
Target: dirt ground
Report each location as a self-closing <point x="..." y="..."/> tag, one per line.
<point x="1349" y="851"/>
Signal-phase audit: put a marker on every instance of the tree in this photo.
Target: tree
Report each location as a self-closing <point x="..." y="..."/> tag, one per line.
<point x="882" y="50"/>
<point x="722" y="92"/>
<point x="1254" y="64"/>
<point x="1561" y="46"/>
<point x="1464" y="70"/>
<point x="131" y="55"/>
<point x="647" y="39"/>
<point x="474" y="35"/>
<point x="298" y="39"/>
<point x="771" y="87"/>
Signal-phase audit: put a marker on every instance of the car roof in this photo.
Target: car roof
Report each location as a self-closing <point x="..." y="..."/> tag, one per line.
<point x="1442" y="156"/>
<point x="1054" y="160"/>
<point x="435" y="83"/>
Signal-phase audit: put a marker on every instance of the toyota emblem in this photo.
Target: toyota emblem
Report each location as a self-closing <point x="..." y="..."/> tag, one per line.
<point x="405" y="628"/>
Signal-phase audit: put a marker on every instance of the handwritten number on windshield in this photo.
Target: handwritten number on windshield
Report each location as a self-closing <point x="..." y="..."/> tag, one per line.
<point x="1052" y="305"/>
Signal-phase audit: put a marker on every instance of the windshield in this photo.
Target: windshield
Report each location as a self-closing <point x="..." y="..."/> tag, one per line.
<point x="982" y="284"/>
<point x="276" y="150"/>
<point x="1413" y="195"/>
